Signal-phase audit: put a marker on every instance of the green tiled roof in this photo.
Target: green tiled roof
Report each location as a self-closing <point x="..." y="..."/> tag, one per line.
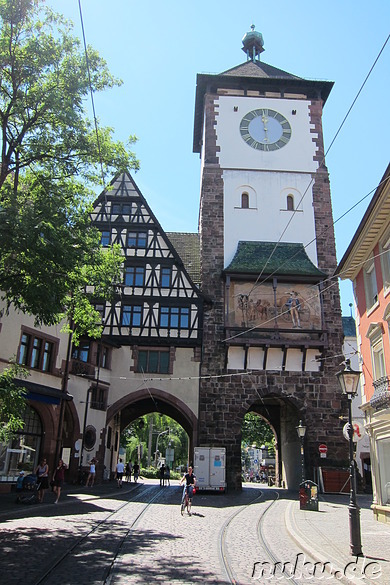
<point x="188" y="247"/>
<point x="287" y="260"/>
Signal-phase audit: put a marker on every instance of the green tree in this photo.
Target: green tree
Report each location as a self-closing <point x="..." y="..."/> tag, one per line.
<point x="256" y="431"/>
<point x="138" y="434"/>
<point x="12" y="402"/>
<point x="50" y="163"/>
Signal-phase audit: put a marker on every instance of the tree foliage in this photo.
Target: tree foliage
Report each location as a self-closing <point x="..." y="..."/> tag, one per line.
<point x="50" y="162"/>
<point x="137" y="433"/>
<point x="12" y="402"/>
<point x="256" y="431"/>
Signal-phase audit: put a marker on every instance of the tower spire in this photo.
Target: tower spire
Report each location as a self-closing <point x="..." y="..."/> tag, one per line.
<point x="253" y="44"/>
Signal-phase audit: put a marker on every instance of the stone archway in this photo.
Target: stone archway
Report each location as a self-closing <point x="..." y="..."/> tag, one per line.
<point x="283" y="414"/>
<point x="147" y="400"/>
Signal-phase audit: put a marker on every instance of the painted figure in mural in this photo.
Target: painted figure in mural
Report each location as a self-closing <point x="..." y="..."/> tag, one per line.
<point x="294" y="306"/>
<point x="242" y="302"/>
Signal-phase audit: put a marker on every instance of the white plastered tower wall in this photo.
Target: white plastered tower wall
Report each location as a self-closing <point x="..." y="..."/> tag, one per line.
<point x="267" y="178"/>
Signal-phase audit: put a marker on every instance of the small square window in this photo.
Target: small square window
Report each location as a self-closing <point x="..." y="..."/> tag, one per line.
<point x="135" y="276"/>
<point x="105" y="239"/>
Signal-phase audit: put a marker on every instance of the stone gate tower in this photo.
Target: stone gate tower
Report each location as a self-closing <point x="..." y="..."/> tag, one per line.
<point x="272" y="339"/>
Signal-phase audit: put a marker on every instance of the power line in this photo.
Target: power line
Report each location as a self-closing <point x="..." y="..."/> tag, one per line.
<point x="321" y="163"/>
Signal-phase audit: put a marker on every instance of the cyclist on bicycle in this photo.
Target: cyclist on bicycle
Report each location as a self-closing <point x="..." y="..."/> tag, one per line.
<point x="190" y="480"/>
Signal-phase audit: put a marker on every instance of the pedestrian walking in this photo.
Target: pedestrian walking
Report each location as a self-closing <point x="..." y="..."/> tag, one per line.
<point x="128" y="471"/>
<point x="168" y="475"/>
<point x="119" y="472"/>
<point x="162" y="475"/>
<point x="42" y="473"/>
<point x="92" y="472"/>
<point x="59" y="478"/>
<point x="136" y="471"/>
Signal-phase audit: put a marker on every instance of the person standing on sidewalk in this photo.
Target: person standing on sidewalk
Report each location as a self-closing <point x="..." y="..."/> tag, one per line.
<point x="168" y="475"/>
<point x="128" y="471"/>
<point x="92" y="472"/>
<point x="136" y="471"/>
<point x="119" y="472"/>
<point x="42" y="473"/>
<point x="59" y="478"/>
<point x="162" y="475"/>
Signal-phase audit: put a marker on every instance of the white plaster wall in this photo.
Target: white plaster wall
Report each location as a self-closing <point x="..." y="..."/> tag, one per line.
<point x="297" y="155"/>
<point x="294" y="360"/>
<point x="236" y="357"/>
<point x="267" y="218"/>
<point x="312" y="365"/>
<point x="123" y="381"/>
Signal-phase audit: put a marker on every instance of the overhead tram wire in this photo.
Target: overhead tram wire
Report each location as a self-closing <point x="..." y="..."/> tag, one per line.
<point x="322" y="161"/>
<point x="91" y="93"/>
<point x="323" y="232"/>
<point x="334" y="283"/>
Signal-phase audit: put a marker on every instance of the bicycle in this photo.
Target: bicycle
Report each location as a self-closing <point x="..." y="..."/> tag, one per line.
<point x="186" y="501"/>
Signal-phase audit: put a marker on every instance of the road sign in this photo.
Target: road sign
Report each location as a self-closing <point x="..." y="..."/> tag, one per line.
<point x="323" y="449"/>
<point x="358" y="431"/>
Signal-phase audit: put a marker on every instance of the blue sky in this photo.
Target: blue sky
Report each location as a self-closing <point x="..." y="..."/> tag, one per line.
<point x="157" y="49"/>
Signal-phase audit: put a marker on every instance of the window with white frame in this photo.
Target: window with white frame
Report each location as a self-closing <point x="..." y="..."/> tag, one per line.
<point x="385" y="261"/>
<point x="370" y="284"/>
<point x="378" y="358"/>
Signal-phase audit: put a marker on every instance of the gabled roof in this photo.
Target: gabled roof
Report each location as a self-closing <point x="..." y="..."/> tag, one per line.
<point x="278" y="259"/>
<point x="187" y="245"/>
<point x="371" y="228"/>
<point x="258" y="69"/>
<point x="184" y="247"/>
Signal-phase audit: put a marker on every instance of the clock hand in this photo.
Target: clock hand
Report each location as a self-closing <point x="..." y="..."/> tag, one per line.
<point x="264" y="119"/>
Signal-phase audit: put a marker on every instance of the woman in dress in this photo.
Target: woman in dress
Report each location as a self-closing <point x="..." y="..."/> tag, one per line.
<point x="42" y="473"/>
<point x="58" y="478"/>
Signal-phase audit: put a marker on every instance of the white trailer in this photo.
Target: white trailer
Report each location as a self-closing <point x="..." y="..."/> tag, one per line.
<point x="210" y="468"/>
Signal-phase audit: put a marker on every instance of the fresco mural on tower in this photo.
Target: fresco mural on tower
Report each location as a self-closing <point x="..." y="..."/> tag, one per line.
<point x="293" y="306"/>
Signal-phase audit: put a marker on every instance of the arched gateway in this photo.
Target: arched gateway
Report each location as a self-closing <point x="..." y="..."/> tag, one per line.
<point x="243" y="316"/>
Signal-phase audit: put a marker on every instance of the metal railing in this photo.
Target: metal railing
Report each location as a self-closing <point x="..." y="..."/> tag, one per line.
<point x="381" y="396"/>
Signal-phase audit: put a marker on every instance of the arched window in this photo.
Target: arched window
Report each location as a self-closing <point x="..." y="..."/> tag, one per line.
<point x="245" y="201"/>
<point x="290" y="203"/>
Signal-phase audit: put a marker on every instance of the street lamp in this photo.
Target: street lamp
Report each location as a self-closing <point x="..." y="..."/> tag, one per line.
<point x="158" y="436"/>
<point x="301" y="430"/>
<point x="349" y="380"/>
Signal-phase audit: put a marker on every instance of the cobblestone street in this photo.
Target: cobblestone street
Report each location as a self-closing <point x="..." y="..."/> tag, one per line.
<point x="137" y="536"/>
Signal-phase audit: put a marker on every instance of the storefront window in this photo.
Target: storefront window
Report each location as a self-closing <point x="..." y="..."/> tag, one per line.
<point x="22" y="452"/>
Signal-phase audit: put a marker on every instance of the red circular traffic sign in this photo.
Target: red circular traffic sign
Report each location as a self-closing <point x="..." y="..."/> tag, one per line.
<point x="322" y="448"/>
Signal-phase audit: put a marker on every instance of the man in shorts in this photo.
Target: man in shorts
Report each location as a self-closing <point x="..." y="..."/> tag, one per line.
<point x="119" y="472"/>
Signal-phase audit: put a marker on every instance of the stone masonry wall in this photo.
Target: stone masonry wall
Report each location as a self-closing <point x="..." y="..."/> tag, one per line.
<point x="224" y="401"/>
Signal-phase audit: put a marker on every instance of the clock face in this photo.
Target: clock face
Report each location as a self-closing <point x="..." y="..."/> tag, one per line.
<point x="265" y="129"/>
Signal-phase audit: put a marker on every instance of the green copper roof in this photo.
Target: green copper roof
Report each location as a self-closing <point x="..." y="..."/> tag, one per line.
<point x="286" y="259"/>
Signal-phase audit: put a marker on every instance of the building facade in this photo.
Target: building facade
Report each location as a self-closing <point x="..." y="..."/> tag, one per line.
<point x="367" y="264"/>
<point x="242" y="317"/>
<point x="268" y="254"/>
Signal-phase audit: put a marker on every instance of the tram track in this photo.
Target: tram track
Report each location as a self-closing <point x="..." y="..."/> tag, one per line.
<point x="114" y="528"/>
<point x="271" y="560"/>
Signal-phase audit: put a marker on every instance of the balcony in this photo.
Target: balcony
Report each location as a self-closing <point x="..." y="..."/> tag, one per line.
<point x="80" y="368"/>
<point x="381" y="397"/>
